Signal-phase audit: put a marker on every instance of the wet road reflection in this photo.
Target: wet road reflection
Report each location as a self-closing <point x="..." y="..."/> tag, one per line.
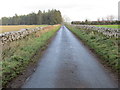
<point x="67" y="63"/>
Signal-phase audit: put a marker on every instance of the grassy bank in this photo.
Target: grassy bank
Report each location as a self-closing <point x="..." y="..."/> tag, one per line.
<point x="17" y="55"/>
<point x="105" y="47"/>
<point x="109" y="26"/>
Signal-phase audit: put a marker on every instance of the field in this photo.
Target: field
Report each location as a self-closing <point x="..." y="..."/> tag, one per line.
<point x="8" y="28"/>
<point x="109" y="26"/>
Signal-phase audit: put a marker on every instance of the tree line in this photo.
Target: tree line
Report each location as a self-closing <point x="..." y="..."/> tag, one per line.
<point x="86" y="22"/>
<point x="50" y="17"/>
<point x="108" y="20"/>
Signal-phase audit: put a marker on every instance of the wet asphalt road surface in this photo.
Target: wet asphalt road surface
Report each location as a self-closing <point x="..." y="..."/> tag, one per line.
<point x="67" y="63"/>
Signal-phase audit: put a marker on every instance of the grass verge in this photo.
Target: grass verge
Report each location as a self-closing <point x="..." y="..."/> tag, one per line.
<point x="109" y="26"/>
<point x="105" y="47"/>
<point x="19" y="54"/>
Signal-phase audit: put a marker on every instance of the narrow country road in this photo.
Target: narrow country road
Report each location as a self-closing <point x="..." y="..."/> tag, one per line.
<point x="67" y="63"/>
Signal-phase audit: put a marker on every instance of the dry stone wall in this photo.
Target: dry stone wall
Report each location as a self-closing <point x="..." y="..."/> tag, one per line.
<point x="110" y="32"/>
<point x="15" y="35"/>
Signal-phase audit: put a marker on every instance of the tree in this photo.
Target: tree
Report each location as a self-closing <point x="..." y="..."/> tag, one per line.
<point x="51" y="17"/>
<point x="111" y="17"/>
<point x="39" y="18"/>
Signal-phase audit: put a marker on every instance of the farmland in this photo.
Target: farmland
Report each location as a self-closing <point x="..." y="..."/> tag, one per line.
<point x="8" y="28"/>
<point x="109" y="26"/>
<point x="54" y="44"/>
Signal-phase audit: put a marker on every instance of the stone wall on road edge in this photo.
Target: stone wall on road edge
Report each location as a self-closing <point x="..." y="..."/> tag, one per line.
<point x="106" y="31"/>
<point x="15" y="35"/>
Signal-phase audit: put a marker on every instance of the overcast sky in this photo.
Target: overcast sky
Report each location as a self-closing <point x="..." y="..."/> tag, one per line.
<point x="74" y="9"/>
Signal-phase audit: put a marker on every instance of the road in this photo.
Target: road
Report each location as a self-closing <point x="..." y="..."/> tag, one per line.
<point x="67" y="63"/>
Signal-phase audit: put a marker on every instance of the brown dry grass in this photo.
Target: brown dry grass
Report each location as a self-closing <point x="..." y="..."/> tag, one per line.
<point x="45" y="29"/>
<point x="8" y="28"/>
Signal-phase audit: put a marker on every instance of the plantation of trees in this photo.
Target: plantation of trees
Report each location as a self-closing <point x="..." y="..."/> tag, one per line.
<point x="50" y="17"/>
